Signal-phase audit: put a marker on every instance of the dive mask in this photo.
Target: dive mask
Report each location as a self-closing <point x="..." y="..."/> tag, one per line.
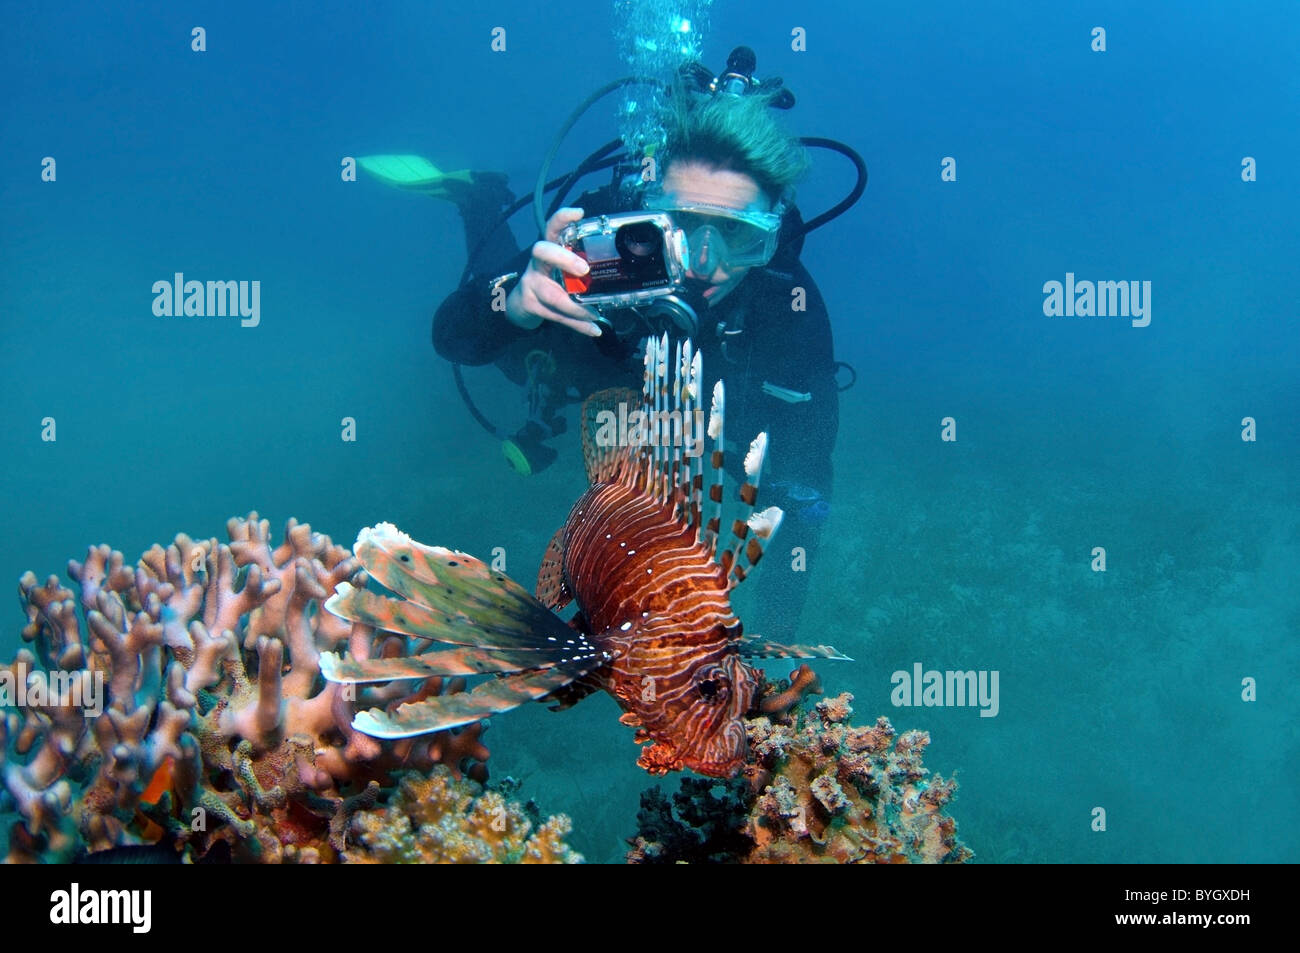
<point x="720" y="237"/>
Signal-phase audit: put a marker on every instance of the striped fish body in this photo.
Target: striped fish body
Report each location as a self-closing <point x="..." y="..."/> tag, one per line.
<point x="650" y="574"/>
<point x="651" y="595"/>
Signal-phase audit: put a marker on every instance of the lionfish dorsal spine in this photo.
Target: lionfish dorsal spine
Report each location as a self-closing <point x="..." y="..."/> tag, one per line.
<point x="674" y="463"/>
<point x="668" y="402"/>
<point x="717" y="410"/>
<point x="676" y="434"/>
<point x="693" y="436"/>
<point x="661" y="453"/>
<point x="750" y="536"/>
<point x="682" y="404"/>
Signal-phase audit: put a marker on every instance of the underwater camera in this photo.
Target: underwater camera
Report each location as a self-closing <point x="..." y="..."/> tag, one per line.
<point x="634" y="257"/>
<point x="636" y="267"/>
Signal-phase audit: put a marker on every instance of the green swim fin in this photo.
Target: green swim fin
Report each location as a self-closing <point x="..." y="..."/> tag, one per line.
<point x="417" y="174"/>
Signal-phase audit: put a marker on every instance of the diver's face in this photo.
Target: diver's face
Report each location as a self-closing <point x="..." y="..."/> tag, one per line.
<point x="695" y="183"/>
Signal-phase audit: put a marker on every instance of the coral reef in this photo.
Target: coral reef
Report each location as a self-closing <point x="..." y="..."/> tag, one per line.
<point x="832" y="793"/>
<point x="777" y="699"/>
<point x="695" y="826"/>
<point x="184" y="703"/>
<point x="440" y="819"/>
<point x="819" y="791"/>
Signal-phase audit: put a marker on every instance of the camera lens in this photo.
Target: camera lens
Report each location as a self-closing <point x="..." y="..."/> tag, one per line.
<point x="639" y="240"/>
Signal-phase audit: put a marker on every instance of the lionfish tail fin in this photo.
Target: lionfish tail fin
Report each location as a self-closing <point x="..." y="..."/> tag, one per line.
<point x="755" y="647"/>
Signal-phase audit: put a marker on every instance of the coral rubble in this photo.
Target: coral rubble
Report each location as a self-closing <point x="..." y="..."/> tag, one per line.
<point x="440" y="819"/>
<point x="184" y="704"/>
<point x="819" y="791"/>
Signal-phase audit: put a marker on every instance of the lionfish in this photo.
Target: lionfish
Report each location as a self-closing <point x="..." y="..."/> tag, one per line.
<point x="652" y="581"/>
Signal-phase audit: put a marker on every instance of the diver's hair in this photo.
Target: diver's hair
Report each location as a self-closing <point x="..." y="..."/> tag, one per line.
<point x="738" y="133"/>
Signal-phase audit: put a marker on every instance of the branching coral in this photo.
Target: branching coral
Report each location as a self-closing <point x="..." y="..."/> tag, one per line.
<point x="185" y="701"/>
<point x="440" y="819"/>
<point x="820" y="791"/>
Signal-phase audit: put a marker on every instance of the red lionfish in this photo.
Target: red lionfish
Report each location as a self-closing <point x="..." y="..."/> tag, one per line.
<point x="652" y="582"/>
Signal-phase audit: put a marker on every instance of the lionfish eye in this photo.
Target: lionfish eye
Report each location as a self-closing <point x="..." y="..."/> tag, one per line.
<point x="709" y="689"/>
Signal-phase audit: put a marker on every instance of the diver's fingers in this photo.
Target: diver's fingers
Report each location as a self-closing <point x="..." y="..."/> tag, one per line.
<point x="585" y="328"/>
<point x="538" y="298"/>
<point x="561" y="218"/>
<point x="553" y="304"/>
<point x="548" y="255"/>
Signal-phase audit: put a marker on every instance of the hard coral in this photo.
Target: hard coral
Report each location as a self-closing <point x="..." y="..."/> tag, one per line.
<point x="820" y="791"/>
<point x="185" y="701"/>
<point x="440" y="819"/>
<point x="840" y="794"/>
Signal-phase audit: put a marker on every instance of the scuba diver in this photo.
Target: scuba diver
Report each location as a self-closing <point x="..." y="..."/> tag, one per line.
<point x="701" y="239"/>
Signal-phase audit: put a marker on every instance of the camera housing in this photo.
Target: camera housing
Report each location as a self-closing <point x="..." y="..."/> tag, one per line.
<point x="634" y="258"/>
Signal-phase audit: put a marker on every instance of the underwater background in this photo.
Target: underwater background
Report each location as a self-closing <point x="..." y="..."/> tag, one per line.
<point x="1121" y="689"/>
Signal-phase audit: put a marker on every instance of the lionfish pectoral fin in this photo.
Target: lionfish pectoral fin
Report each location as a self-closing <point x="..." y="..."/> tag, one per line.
<point x="446" y="597"/>
<point x="566" y="696"/>
<point x="526" y="628"/>
<point x="462" y="661"/>
<point x="551" y="589"/>
<point x="441" y="712"/>
<point x="445" y="580"/>
<point x="754" y="647"/>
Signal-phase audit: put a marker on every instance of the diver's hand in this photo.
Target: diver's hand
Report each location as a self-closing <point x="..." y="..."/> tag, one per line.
<point x="538" y="297"/>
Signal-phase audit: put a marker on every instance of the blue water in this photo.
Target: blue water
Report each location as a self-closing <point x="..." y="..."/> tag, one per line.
<point x="1120" y="690"/>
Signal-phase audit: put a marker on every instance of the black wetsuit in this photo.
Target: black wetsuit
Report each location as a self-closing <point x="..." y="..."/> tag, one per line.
<point x="753" y="336"/>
